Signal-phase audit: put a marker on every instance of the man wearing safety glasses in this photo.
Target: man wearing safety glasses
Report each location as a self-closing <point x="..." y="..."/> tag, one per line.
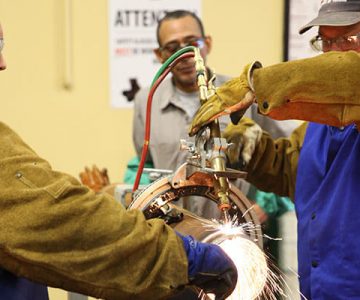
<point x="320" y="163"/>
<point x="176" y="99"/>
<point x="175" y="103"/>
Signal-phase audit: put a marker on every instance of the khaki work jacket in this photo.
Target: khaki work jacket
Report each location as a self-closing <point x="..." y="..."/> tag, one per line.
<point x="55" y="231"/>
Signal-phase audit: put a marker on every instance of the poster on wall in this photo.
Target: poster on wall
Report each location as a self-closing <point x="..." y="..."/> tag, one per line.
<point x="299" y="13"/>
<point x="132" y="36"/>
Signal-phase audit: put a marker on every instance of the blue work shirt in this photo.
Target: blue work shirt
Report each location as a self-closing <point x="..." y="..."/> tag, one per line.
<point x="327" y="201"/>
<point x="16" y="288"/>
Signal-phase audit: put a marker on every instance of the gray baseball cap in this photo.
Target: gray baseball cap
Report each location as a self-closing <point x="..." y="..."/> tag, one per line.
<point x="336" y="13"/>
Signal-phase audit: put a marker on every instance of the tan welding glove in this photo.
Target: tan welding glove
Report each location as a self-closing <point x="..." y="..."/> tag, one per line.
<point x="243" y="139"/>
<point x="323" y="89"/>
<point x="94" y="178"/>
<point x="236" y="95"/>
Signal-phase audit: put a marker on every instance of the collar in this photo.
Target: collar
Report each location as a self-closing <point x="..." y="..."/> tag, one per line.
<point x="168" y="91"/>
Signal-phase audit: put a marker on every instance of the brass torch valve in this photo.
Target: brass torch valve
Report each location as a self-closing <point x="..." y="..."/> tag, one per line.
<point x="201" y="76"/>
<point x="218" y="163"/>
<point x="218" y="159"/>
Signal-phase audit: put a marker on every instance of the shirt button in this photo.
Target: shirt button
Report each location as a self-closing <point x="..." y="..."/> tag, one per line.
<point x="313" y="216"/>
<point x="314" y="264"/>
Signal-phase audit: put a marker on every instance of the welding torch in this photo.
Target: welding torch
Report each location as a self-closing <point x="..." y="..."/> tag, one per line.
<point x="218" y="159"/>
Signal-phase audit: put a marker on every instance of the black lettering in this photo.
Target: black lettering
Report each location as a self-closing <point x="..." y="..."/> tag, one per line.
<point x="145" y="18"/>
<point x="119" y="19"/>
<point x="136" y="17"/>
<point x="127" y="14"/>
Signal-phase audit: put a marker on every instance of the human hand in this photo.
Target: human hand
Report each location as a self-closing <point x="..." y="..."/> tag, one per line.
<point x="243" y="139"/>
<point x="236" y="95"/>
<point x="210" y="268"/>
<point x="260" y="213"/>
<point x="94" y="178"/>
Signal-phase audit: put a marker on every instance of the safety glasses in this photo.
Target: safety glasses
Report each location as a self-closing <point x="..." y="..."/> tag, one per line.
<point x="170" y="48"/>
<point x="343" y="43"/>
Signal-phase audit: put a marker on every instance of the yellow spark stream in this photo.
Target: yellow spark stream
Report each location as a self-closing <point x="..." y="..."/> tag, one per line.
<point x="250" y="262"/>
<point x="255" y="278"/>
<point x="251" y="265"/>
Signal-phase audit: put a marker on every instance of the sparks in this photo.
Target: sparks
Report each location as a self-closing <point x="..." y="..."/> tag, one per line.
<point x="256" y="279"/>
<point x="251" y="265"/>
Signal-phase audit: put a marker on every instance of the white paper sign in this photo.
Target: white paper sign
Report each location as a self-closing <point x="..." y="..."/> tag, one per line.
<point x="132" y="27"/>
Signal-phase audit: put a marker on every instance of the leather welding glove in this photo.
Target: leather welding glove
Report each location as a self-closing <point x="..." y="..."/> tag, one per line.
<point x="322" y="89"/>
<point x="236" y="95"/>
<point x="243" y="139"/>
<point x="209" y="268"/>
<point x="94" y="178"/>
